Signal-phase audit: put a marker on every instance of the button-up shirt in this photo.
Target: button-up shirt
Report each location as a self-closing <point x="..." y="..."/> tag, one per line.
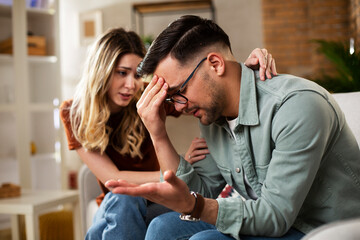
<point x="297" y="152"/>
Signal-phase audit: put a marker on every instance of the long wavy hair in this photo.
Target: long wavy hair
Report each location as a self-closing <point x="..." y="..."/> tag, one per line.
<point x="90" y="111"/>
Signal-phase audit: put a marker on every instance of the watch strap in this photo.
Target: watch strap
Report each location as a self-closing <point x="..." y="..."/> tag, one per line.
<point x="194" y="216"/>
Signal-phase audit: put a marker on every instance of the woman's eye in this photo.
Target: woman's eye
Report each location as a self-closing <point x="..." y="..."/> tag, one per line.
<point x="137" y="76"/>
<point x="122" y="73"/>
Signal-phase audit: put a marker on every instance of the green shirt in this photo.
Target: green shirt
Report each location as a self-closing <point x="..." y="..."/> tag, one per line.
<point x="296" y="150"/>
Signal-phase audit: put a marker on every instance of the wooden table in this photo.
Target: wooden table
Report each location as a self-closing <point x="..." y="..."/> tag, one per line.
<point x="33" y="203"/>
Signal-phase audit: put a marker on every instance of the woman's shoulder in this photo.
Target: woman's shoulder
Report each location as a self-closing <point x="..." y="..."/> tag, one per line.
<point x="65" y="110"/>
<point x="66" y="105"/>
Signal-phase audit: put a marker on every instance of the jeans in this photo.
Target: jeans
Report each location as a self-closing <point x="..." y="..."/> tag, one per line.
<point x="123" y="217"/>
<point x="169" y="227"/>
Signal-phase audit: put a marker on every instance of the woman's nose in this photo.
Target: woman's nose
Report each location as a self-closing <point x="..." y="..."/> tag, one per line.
<point x="130" y="82"/>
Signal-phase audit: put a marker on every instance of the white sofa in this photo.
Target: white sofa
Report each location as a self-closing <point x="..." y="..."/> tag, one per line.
<point x="89" y="189"/>
<point x="346" y="229"/>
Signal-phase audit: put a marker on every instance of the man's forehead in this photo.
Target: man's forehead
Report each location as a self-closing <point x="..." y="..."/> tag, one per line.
<point x="170" y="69"/>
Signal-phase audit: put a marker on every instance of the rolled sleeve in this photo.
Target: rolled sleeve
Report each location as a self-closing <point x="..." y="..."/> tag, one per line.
<point x="229" y="219"/>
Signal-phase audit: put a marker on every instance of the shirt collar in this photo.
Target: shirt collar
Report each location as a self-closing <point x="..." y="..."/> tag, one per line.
<point x="248" y="110"/>
<point x="248" y="113"/>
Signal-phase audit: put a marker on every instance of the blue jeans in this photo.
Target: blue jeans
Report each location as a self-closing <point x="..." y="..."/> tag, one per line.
<point x="123" y="217"/>
<point x="169" y="227"/>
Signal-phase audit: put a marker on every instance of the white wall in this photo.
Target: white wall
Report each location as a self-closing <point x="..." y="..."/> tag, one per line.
<point x="241" y="20"/>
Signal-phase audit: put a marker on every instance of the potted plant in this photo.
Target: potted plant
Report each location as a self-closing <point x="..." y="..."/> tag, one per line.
<point x="347" y="66"/>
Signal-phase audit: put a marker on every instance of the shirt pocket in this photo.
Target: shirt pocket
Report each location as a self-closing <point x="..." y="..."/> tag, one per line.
<point x="261" y="172"/>
<point x="226" y="173"/>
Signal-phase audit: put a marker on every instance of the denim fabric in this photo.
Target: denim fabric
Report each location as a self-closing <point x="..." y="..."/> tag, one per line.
<point x="170" y="227"/>
<point x="123" y="217"/>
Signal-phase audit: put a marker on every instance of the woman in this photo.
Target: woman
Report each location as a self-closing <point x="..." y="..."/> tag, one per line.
<point x="102" y="125"/>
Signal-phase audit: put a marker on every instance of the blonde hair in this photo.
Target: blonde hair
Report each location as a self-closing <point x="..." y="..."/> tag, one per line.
<point x="90" y="111"/>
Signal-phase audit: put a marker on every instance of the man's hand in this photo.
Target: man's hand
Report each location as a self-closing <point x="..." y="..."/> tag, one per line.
<point x="173" y="193"/>
<point x="260" y="59"/>
<point x="150" y="107"/>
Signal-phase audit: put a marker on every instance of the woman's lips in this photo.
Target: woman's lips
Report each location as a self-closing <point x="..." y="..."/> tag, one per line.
<point x="125" y="96"/>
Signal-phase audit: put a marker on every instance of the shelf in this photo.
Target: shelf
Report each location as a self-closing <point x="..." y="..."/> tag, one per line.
<point x="42" y="59"/>
<point x="7" y="107"/>
<point x="6" y="58"/>
<point x="42" y="107"/>
<point x="36" y="11"/>
<point x="31" y="59"/>
<point x="5" y="10"/>
<point x="33" y="83"/>
<point x="35" y="107"/>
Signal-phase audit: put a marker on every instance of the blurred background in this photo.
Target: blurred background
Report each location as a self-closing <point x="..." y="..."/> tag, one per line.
<point x="44" y="43"/>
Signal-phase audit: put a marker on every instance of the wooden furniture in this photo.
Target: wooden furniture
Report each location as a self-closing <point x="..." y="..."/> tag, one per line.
<point x="30" y="93"/>
<point x="33" y="203"/>
<point x="156" y="8"/>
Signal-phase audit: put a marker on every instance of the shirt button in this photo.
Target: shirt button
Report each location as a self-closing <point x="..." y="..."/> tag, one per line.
<point x="237" y="170"/>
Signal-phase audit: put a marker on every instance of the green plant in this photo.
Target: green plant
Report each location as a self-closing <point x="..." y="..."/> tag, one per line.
<point x="347" y="65"/>
<point x="147" y="40"/>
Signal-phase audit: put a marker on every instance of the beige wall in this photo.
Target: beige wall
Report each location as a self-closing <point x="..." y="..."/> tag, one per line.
<point x="241" y="20"/>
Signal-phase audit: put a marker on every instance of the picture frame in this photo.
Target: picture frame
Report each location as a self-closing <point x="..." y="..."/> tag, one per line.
<point x="90" y="26"/>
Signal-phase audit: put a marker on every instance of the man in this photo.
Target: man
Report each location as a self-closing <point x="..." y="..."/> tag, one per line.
<point x="283" y="144"/>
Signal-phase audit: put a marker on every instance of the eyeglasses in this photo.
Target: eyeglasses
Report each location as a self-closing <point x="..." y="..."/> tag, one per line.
<point x="178" y="97"/>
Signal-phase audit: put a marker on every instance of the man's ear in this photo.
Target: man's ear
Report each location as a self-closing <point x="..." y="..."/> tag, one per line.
<point x="217" y="63"/>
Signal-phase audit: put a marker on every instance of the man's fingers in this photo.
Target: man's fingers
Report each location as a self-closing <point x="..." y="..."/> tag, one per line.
<point x="149" y="96"/>
<point x="160" y="96"/>
<point x="170" y="177"/>
<point x="146" y="91"/>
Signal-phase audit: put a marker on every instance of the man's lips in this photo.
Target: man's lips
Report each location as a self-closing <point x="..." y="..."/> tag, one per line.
<point x="194" y="112"/>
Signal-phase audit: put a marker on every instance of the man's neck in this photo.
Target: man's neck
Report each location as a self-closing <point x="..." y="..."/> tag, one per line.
<point x="232" y="88"/>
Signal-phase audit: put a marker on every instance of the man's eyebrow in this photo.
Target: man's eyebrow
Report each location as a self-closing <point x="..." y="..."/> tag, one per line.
<point x="174" y="88"/>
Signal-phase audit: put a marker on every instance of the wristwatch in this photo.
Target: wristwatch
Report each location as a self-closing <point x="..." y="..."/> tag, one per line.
<point x="194" y="216"/>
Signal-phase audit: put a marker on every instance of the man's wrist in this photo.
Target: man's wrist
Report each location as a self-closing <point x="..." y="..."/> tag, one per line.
<point x="195" y="214"/>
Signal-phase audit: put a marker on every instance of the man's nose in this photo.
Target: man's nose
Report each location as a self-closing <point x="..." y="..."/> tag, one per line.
<point x="179" y="106"/>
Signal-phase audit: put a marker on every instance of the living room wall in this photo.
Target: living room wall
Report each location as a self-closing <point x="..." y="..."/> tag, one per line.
<point x="290" y="25"/>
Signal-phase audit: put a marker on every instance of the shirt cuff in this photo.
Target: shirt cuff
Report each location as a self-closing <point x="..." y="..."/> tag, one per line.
<point x="184" y="169"/>
<point x="230" y="216"/>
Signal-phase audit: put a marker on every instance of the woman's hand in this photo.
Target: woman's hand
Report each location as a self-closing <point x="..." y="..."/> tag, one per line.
<point x="197" y="150"/>
<point x="260" y="59"/>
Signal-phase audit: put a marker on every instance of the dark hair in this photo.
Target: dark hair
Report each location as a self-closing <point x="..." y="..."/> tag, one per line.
<point x="183" y="39"/>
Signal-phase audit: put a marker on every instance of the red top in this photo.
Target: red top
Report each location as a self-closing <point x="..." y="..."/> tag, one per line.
<point x="149" y="161"/>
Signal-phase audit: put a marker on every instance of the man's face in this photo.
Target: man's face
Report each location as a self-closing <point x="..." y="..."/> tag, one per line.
<point x="202" y="91"/>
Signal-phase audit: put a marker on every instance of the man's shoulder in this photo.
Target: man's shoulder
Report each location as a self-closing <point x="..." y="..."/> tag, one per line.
<point x="284" y="85"/>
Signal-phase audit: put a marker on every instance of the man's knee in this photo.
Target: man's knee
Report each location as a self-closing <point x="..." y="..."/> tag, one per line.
<point x="162" y="226"/>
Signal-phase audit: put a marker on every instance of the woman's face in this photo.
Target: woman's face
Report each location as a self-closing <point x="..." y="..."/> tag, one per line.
<point x="124" y="82"/>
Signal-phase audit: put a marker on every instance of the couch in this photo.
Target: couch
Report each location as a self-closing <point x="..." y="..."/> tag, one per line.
<point x="89" y="189"/>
